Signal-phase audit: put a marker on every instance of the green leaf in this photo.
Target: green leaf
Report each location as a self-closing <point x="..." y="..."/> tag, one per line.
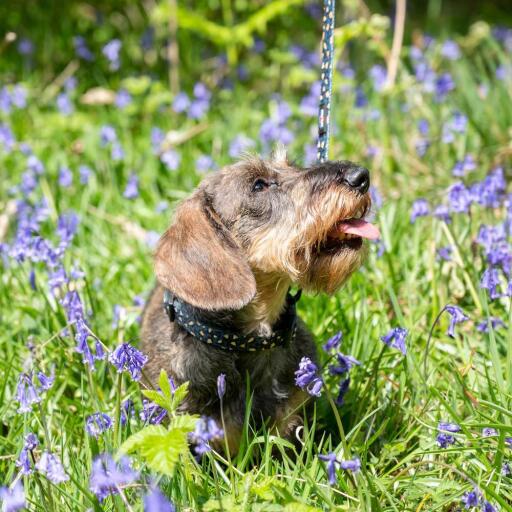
<point x="185" y="422"/>
<point x="159" y="448"/>
<point x="156" y="397"/>
<point x="165" y="385"/>
<point x="179" y="395"/>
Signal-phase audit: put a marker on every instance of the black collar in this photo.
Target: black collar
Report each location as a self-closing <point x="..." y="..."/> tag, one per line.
<point x="213" y="333"/>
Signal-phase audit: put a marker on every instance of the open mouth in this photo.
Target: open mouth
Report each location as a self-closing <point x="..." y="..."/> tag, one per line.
<point x="349" y="234"/>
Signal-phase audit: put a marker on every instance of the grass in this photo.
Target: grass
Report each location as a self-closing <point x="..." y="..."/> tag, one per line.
<point x="391" y="412"/>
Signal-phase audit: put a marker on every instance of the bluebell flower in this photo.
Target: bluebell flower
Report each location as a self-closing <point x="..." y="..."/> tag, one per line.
<point x="444" y="426"/>
<point x="423" y="127"/>
<point x="506" y="469"/>
<point x="152" y="413"/>
<point x="13" y="499"/>
<point x="457" y="316"/>
<point x="46" y="382"/>
<point x="171" y="159"/>
<point x="459" y="198"/>
<point x="123" y="99"/>
<point x="128" y="358"/>
<point x="333" y="342"/>
<point x="31" y="441"/>
<point x="181" y="103"/>
<point x="25" y="46"/>
<point x="111" y="51"/>
<point x="107" y="135"/>
<point x="239" y="145"/>
<point x="204" y="163"/>
<point x="64" y="104"/>
<point x="420" y="208"/>
<point x="491" y="281"/>
<point x="65" y="177"/>
<point x="331" y="464"/>
<point x="198" y="109"/>
<point x="127" y="411"/>
<point x="345" y="363"/>
<point x="107" y="476"/>
<point x="488" y="507"/>
<point x="5" y="100"/>
<point x="395" y="338"/>
<point x="157" y="137"/>
<point x="461" y="167"/>
<point x="19" y="96"/>
<point x="445" y="440"/>
<point x="378" y="74"/>
<point x="155" y="501"/>
<point x="132" y="187"/>
<point x="353" y="465"/>
<point x="24" y="462"/>
<point x="84" y="172"/>
<point x="360" y="100"/>
<point x="26" y="393"/>
<point x="50" y="465"/>
<point x="471" y="499"/>
<point x="309" y="154"/>
<point x="496" y="323"/>
<point x="309" y="103"/>
<point x="221" y="385"/>
<point x="444" y="253"/>
<point x="342" y="391"/>
<point x="7" y="139"/>
<point x="443" y="85"/>
<point x="489" y="432"/>
<point x="116" y="152"/>
<point x="81" y="49"/>
<point x="98" y="423"/>
<point x="306" y="377"/>
<point x="35" y="165"/>
<point x="508" y="441"/>
<point x="450" y="50"/>
<point x="206" y="431"/>
<point x="162" y="206"/>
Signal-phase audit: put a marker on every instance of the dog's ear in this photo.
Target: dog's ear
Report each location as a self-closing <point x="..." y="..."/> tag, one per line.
<point x="199" y="262"/>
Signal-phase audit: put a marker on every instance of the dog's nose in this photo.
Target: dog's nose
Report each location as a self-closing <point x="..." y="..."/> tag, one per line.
<point x="357" y="178"/>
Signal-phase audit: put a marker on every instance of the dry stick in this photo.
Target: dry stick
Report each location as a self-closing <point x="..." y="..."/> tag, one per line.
<point x="398" y="36"/>
<point x="53" y="88"/>
<point x="173" y="53"/>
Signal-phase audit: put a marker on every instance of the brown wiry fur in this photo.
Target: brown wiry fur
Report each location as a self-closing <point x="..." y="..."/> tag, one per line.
<point x="234" y="251"/>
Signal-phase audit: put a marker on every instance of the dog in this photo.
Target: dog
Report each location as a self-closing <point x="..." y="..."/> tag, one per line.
<point x="224" y="269"/>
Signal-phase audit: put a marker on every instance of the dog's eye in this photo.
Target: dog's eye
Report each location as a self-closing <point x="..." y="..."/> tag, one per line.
<point x="259" y="185"/>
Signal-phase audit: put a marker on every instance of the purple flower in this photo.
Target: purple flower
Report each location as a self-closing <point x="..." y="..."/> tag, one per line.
<point x="171" y="159"/>
<point x="107" y="476"/>
<point x="506" y="469"/>
<point x="395" y="338"/>
<point x="457" y="316"/>
<point x="46" y="382"/>
<point x="221" y="385"/>
<point x="19" y="96"/>
<point x="309" y="103"/>
<point x="107" y="135"/>
<point x="31" y="441"/>
<point x="26" y="393"/>
<point x="132" y="187"/>
<point x="496" y="323"/>
<point x="35" y="165"/>
<point x="489" y="432"/>
<point x="180" y="103"/>
<point x="445" y="440"/>
<point x="450" y="50"/>
<point x="51" y="466"/>
<point x="85" y="173"/>
<point x="345" y="363"/>
<point x="116" y="152"/>
<point x="128" y="358"/>
<point x="157" y="137"/>
<point x="306" y="377"/>
<point x="344" y="385"/>
<point x="333" y="342"/>
<point x="444" y="253"/>
<point x="459" y="198"/>
<point x="471" y="499"/>
<point x="24" y="462"/>
<point x="123" y="99"/>
<point x="508" y="441"/>
<point x="64" y="104"/>
<point x="443" y="85"/>
<point x="488" y="507"/>
<point x="463" y="166"/>
<point x="7" y="139"/>
<point x="198" y="109"/>
<point x="155" y="501"/>
<point x="444" y="426"/>
<point x="152" y="413"/>
<point x="206" y="430"/>
<point x="420" y="208"/>
<point x="204" y="163"/>
<point x="239" y="145"/>
<point x="490" y="281"/>
<point x="111" y="52"/>
<point x="127" y="411"/>
<point x="13" y="499"/>
<point x="331" y="463"/>
<point x="25" y="46"/>
<point x="378" y="74"/>
<point x="97" y="423"/>
<point x="81" y="49"/>
<point x="353" y="465"/>
<point x="65" y="177"/>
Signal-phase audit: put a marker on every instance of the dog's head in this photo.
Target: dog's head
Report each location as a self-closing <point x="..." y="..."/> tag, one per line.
<point x="305" y="226"/>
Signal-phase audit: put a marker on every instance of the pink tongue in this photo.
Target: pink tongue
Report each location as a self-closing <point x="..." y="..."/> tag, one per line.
<point x="360" y="228"/>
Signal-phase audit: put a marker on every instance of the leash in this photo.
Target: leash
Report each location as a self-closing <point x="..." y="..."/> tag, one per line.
<point x="324" y="109"/>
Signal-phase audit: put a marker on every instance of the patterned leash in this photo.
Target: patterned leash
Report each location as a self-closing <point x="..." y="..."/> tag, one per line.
<point x="324" y="110"/>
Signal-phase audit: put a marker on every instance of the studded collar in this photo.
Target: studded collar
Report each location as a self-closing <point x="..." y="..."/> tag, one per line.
<point x="194" y="321"/>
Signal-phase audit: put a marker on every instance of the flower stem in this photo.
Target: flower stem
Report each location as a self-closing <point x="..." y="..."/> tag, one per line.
<point x="118" y="407"/>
